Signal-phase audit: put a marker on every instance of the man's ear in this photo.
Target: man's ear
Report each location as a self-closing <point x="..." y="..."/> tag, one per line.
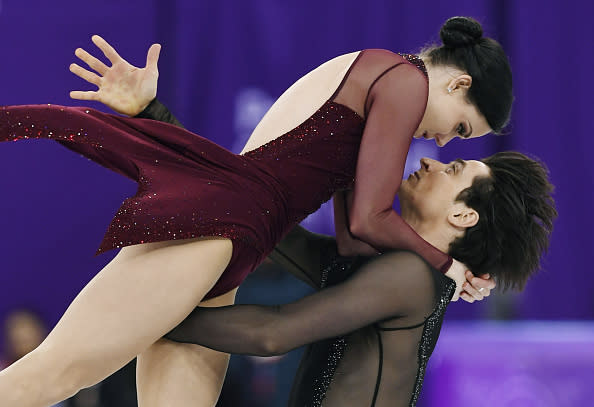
<point x="461" y="216"/>
<point x="460" y="82"/>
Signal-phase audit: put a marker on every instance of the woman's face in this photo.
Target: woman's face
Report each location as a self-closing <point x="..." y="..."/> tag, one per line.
<point x="449" y="114"/>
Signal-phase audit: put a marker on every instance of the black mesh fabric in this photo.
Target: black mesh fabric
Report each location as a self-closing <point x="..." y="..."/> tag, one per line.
<point x="371" y="328"/>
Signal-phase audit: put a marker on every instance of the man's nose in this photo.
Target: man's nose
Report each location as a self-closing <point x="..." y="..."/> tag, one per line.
<point x="426" y="163"/>
<point x="429" y="164"/>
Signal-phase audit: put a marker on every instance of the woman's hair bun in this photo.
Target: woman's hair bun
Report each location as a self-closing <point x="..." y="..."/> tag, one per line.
<point x="460" y="32"/>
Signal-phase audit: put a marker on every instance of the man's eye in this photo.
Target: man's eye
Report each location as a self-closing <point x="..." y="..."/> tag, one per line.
<point x="461" y="130"/>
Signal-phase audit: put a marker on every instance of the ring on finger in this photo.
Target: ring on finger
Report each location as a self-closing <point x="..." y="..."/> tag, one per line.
<point x="480" y="290"/>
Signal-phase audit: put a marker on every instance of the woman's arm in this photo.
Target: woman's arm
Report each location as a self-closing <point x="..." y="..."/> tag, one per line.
<point x="397" y="284"/>
<point x="396" y="105"/>
<point x="348" y="245"/>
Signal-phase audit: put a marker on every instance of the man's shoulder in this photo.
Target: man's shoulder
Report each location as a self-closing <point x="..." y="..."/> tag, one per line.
<point x="406" y="258"/>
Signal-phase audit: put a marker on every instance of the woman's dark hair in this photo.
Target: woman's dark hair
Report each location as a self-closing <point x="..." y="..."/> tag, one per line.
<point x="484" y="60"/>
<point x="516" y="213"/>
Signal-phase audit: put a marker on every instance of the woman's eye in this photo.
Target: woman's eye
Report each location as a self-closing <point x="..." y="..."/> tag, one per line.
<point x="461" y="130"/>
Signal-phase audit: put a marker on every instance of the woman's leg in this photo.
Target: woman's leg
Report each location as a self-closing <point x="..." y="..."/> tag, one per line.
<point x="179" y="374"/>
<point x="137" y="298"/>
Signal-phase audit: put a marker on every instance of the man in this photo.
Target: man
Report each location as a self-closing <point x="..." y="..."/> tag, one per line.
<point x="373" y="329"/>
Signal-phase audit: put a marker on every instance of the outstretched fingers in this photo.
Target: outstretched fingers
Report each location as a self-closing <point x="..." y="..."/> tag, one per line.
<point x="91" y="61"/>
<point x="85" y="74"/>
<point x="84" y="95"/>
<point x="152" y="57"/>
<point x="109" y="51"/>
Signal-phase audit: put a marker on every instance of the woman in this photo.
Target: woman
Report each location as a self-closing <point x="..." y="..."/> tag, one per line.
<point x="204" y="218"/>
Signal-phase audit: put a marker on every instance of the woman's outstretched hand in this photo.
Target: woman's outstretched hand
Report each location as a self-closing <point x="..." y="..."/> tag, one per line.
<point x="123" y="87"/>
<point x="469" y="287"/>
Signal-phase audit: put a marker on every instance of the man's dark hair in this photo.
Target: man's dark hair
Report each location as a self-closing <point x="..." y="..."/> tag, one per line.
<point x="484" y="60"/>
<point x="516" y="213"/>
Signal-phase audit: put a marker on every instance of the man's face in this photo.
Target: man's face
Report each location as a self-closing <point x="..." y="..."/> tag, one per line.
<point x="429" y="194"/>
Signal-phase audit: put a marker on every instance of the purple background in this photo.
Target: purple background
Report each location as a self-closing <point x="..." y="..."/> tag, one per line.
<point x="224" y="62"/>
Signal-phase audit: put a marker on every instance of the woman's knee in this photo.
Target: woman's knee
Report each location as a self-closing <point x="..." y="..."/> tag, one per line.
<point x="54" y="374"/>
<point x="67" y="372"/>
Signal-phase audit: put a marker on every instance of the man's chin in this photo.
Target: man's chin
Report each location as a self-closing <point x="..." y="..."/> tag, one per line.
<point x="406" y="185"/>
<point x="404" y="190"/>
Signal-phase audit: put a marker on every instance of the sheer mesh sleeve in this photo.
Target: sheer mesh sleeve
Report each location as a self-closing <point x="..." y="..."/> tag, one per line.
<point x="395" y="105"/>
<point x="305" y="254"/>
<point x="348" y="245"/>
<point x="394" y="285"/>
<point x="158" y="111"/>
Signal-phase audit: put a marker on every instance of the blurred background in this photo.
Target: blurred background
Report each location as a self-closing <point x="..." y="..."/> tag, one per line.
<point x="222" y="65"/>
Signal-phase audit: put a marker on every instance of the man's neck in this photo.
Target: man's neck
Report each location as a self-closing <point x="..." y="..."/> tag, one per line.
<point x="439" y="236"/>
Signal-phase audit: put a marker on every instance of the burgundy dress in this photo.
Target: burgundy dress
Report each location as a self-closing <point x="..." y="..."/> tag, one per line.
<point x="189" y="186"/>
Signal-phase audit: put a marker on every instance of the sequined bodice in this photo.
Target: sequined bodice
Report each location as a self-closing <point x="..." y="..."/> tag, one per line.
<point x="318" y="156"/>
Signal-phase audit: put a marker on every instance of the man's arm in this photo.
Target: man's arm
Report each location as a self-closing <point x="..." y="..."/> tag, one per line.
<point x="394" y="285"/>
<point x="158" y="111"/>
<point x="305" y="254"/>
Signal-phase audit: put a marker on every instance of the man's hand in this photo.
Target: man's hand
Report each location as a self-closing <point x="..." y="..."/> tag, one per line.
<point x="123" y="87"/>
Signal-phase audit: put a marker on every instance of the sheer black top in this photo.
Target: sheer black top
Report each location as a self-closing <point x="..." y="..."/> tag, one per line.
<point x="372" y="325"/>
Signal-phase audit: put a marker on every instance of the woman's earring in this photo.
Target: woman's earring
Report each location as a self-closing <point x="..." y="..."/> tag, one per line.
<point x="449" y="90"/>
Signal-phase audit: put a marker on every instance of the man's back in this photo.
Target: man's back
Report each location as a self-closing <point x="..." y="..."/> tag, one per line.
<point x="388" y="308"/>
<point x="382" y="364"/>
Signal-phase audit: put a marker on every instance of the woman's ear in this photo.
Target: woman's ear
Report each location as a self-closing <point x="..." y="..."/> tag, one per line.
<point x="461" y="216"/>
<point x="460" y="82"/>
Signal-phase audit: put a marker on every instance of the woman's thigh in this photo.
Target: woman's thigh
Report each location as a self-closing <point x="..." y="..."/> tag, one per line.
<point x="136" y="299"/>
<point x="132" y="302"/>
<point x="171" y="373"/>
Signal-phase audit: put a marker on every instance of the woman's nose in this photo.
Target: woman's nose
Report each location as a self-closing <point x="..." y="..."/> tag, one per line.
<point x="442" y="140"/>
